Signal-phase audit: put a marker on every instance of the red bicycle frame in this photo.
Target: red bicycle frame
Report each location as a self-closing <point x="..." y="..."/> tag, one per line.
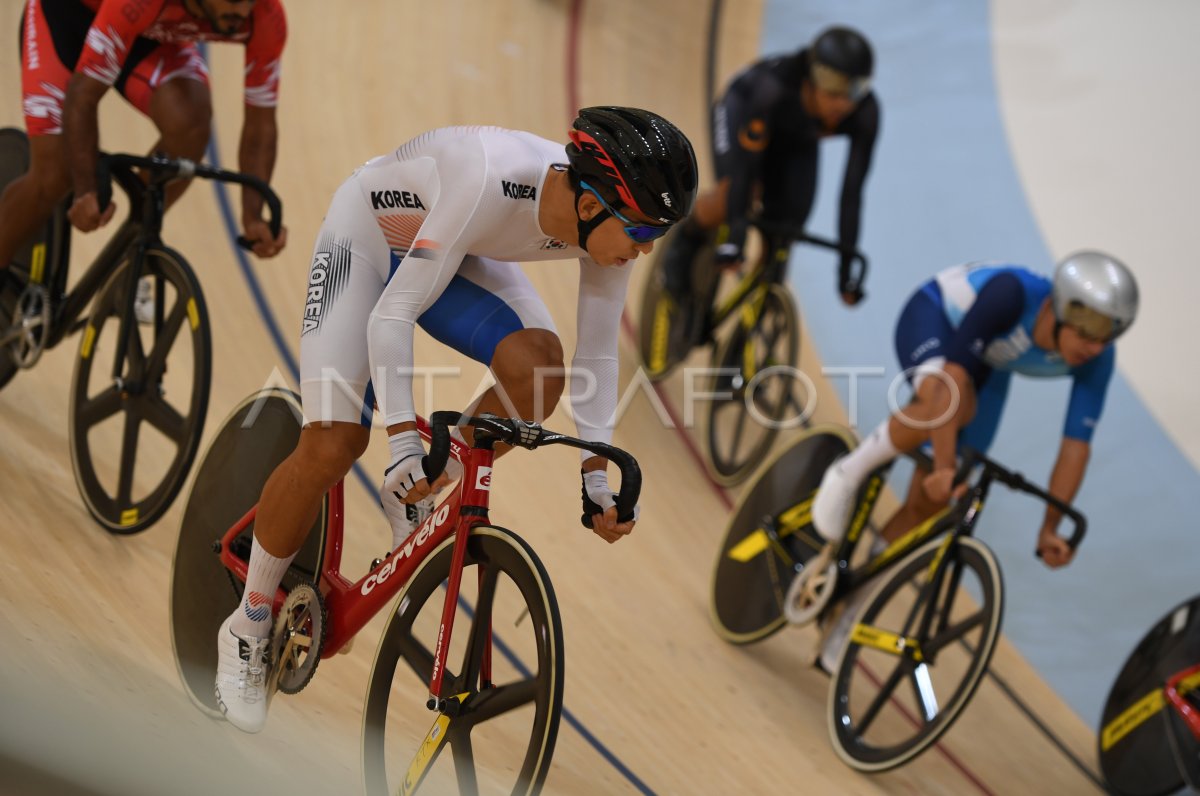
<point x="1176" y="692"/>
<point x="349" y="606"/>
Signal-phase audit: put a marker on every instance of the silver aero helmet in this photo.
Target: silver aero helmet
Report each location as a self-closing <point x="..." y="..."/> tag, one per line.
<point x="1095" y="294"/>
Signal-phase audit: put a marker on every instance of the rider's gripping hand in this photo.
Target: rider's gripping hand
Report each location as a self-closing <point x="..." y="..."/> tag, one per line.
<point x="729" y="255"/>
<point x="85" y="212"/>
<point x="599" y="504"/>
<point x="258" y="232"/>
<point x="1053" y="549"/>
<point x="405" y="477"/>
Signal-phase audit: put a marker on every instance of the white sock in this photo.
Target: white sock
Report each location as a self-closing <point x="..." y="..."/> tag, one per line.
<point x="876" y="449"/>
<point x="839" y="634"/>
<point x="253" y="617"/>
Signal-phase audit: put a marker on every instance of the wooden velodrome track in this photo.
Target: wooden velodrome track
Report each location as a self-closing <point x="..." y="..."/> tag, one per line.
<point x="88" y="687"/>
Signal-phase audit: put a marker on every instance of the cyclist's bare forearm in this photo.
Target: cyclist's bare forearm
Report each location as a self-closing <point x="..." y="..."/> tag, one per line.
<point x="81" y="132"/>
<point x="1067" y="476"/>
<point x="256" y="156"/>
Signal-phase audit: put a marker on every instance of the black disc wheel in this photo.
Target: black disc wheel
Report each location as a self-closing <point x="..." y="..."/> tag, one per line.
<point x="497" y="736"/>
<point x="770" y="537"/>
<point x="133" y="438"/>
<point x="14" y="161"/>
<point x="756" y="390"/>
<point x="1145" y="747"/>
<point x="259" y="434"/>
<point x="916" y="653"/>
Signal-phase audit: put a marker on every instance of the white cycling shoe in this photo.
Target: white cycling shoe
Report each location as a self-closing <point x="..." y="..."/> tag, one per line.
<point x="243" y="672"/>
<point x="834" y="501"/>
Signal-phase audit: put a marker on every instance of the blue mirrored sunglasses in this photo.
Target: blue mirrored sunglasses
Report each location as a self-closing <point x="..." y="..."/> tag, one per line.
<point x="638" y="233"/>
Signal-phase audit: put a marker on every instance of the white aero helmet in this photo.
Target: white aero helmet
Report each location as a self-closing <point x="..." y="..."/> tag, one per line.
<point x="1095" y="294"/>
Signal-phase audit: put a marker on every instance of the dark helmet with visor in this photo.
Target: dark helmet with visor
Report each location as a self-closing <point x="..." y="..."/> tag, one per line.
<point x="840" y="61"/>
<point x="639" y="157"/>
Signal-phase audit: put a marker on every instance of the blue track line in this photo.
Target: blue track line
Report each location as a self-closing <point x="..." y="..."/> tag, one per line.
<point x="268" y="319"/>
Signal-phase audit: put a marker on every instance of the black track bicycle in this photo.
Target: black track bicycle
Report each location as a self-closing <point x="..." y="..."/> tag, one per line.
<point x="754" y="328"/>
<point x="139" y="394"/>
<point x="920" y="642"/>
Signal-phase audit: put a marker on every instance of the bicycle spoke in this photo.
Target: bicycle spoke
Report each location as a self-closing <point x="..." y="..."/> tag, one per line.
<point x="129" y="442"/>
<point x="481" y="626"/>
<point x="464" y="759"/>
<point x="156" y="363"/>
<point x="915" y="611"/>
<point x="99" y="408"/>
<point x="418" y="657"/>
<point x="885" y="694"/>
<point x="493" y="702"/>
<point x="923" y="692"/>
<point x="739" y="428"/>
<point x="954" y="632"/>
<point x="165" y="418"/>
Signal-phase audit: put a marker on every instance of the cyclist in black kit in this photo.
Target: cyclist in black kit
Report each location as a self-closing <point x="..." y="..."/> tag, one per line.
<point x="765" y="135"/>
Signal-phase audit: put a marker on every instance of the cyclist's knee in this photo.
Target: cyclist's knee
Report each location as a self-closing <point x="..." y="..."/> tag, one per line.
<point x="182" y="111"/>
<point x="529" y="365"/>
<point x="919" y="506"/>
<point x="327" y="452"/>
<point x="710" y="206"/>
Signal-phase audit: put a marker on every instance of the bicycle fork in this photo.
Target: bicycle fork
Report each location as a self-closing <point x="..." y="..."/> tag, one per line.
<point x="473" y="510"/>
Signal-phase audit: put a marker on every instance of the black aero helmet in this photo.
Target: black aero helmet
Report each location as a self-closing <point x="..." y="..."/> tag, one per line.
<point x="841" y="62"/>
<point x="643" y="159"/>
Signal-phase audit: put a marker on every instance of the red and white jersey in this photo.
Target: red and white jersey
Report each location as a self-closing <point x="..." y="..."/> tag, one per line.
<point x="119" y="22"/>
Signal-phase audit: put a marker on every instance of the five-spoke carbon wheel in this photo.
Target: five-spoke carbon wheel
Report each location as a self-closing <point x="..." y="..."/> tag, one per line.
<point x="133" y="437"/>
<point x="756" y="390"/>
<point x="498" y="736"/>
<point x="916" y="654"/>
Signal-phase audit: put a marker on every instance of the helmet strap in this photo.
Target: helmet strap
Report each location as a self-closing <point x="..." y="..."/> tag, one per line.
<point x="1058" y="325"/>
<point x="586" y="228"/>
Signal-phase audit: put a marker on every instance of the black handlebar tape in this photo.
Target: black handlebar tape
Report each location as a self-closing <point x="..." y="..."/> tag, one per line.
<point x="434" y="462"/>
<point x="103" y="182"/>
<point x="631" y="482"/>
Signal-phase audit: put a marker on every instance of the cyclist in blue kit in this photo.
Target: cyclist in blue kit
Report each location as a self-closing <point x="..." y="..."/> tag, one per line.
<point x="960" y="338"/>
<point x="971" y="327"/>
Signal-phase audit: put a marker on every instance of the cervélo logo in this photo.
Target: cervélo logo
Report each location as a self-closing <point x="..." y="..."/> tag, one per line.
<point x="483" y="478"/>
<point x="415" y="540"/>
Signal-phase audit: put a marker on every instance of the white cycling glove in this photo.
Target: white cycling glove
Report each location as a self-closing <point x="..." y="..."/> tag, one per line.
<point x="597" y="496"/>
<point x="405" y="471"/>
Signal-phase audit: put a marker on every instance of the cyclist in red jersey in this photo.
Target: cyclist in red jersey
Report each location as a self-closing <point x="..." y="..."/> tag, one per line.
<point x="73" y="51"/>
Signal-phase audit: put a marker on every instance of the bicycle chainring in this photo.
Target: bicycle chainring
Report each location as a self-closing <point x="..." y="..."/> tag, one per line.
<point x="31" y="326"/>
<point x="298" y="638"/>
<point x="810" y="591"/>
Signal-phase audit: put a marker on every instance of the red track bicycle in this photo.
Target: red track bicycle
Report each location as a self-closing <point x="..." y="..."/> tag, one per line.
<point x="499" y="714"/>
<point x="1150" y="728"/>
